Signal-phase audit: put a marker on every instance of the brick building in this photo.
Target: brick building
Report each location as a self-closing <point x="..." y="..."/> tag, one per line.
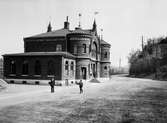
<point x="64" y="53"/>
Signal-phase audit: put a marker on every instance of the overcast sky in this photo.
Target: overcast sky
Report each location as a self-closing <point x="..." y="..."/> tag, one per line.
<point x="123" y="21"/>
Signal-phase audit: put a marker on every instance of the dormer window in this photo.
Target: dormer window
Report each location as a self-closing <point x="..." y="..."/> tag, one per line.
<point x="59" y="47"/>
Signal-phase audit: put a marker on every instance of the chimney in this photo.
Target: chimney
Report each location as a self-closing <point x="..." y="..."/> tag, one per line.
<point x="66" y="24"/>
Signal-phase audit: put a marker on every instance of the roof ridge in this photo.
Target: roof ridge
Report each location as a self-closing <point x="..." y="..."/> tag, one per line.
<point x="55" y="33"/>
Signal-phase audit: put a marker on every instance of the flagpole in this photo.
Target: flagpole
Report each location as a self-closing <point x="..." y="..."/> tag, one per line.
<point x="79" y="20"/>
<point x="95" y="14"/>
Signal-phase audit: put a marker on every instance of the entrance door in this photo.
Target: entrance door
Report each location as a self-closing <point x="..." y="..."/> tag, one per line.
<point x="83" y="69"/>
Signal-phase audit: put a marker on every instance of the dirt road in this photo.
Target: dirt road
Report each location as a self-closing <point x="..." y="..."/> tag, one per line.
<point x="119" y="100"/>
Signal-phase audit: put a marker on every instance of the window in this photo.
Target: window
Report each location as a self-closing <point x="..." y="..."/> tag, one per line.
<point x="51" y="68"/>
<point x="75" y="48"/>
<point x="72" y="66"/>
<point x="25" y="68"/>
<point x="66" y="65"/>
<point x="66" y="68"/>
<point x="90" y="48"/>
<point x="105" y="67"/>
<point x="59" y="47"/>
<point x="12" y="67"/>
<point x="105" y="55"/>
<point x="37" y="67"/>
<point x="84" y="48"/>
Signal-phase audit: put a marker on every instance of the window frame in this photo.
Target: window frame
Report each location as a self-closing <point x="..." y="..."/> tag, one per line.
<point x="105" y="55"/>
<point x="25" y="68"/>
<point x="84" y="48"/>
<point x="50" y="68"/>
<point x="37" y="68"/>
<point x="59" y="47"/>
<point x="12" y="67"/>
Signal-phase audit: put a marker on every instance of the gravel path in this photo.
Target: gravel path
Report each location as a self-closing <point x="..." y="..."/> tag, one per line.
<point x="119" y="100"/>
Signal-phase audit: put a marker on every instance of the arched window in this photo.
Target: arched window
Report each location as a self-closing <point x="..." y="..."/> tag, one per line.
<point x="94" y="50"/>
<point x="84" y="48"/>
<point x="105" y="55"/>
<point x="37" y="67"/>
<point x="51" y="68"/>
<point x="13" y="67"/>
<point x="59" y="47"/>
<point x="105" y="67"/>
<point x="25" y="68"/>
<point x="72" y="65"/>
<point x="66" y="65"/>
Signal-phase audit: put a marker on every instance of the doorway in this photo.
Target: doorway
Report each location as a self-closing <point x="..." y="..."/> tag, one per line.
<point x="83" y="69"/>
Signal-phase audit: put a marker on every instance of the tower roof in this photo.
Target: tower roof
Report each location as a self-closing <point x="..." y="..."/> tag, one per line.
<point x="94" y="25"/>
<point x="49" y="27"/>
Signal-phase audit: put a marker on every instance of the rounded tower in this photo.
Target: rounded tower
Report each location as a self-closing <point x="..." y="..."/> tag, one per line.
<point x="79" y="45"/>
<point x="105" y="58"/>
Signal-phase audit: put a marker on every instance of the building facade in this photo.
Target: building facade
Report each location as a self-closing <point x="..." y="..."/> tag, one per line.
<point x="64" y="53"/>
<point x="1" y="68"/>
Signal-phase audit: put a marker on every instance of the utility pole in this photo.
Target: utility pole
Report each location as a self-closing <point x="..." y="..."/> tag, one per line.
<point x="156" y="58"/>
<point x="119" y="64"/>
<point x="66" y="80"/>
<point x="142" y="42"/>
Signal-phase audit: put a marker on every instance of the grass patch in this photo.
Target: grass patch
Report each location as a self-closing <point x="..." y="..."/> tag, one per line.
<point x="146" y="106"/>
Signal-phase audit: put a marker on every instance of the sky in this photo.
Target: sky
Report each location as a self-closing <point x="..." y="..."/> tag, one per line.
<point x="123" y="22"/>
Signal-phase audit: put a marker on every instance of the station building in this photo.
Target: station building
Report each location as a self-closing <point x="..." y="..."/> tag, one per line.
<point x="63" y="53"/>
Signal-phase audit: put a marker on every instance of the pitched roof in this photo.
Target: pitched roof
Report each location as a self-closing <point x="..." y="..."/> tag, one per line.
<point x="56" y="33"/>
<point x="66" y="54"/>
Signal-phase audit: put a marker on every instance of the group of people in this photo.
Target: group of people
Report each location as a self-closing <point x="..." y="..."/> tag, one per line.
<point x="52" y="84"/>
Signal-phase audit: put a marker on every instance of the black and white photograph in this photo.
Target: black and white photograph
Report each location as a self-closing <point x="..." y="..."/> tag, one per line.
<point x="83" y="61"/>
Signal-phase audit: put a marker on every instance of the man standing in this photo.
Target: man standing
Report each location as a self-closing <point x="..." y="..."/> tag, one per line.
<point x="52" y="84"/>
<point x="81" y="86"/>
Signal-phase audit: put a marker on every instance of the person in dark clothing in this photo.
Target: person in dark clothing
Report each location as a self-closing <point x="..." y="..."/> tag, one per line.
<point x="52" y="84"/>
<point x="80" y="86"/>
